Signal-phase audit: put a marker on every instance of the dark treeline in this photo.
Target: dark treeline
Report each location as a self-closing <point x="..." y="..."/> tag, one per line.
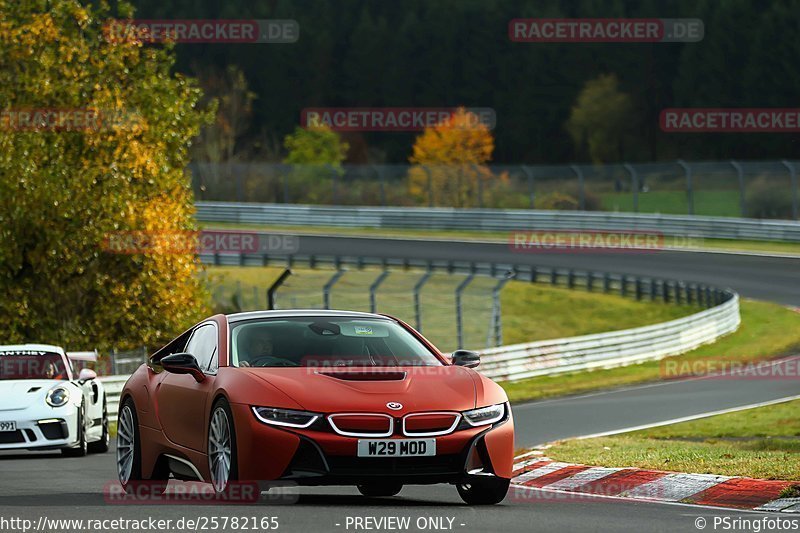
<point x="438" y="53"/>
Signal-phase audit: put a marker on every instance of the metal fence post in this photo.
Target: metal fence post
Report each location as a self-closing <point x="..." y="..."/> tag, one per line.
<point x="459" y="318"/>
<point x="114" y="361"/>
<point x="417" y="288"/>
<point x="335" y="197"/>
<point x="742" y="199"/>
<point x="430" y="184"/>
<point x="689" y="186"/>
<point x="480" y="184"/>
<point x="634" y="185"/>
<point x="497" y="318"/>
<point x="793" y="176"/>
<point x="373" y="289"/>
<point x="529" y="174"/>
<point x="326" y="290"/>
<point x="286" y="186"/>
<point x="274" y="288"/>
<point x="379" y="172"/>
<point x="581" y="192"/>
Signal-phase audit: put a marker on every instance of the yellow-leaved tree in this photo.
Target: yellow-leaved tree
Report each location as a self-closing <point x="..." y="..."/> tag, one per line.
<point x="65" y="190"/>
<point x="449" y="162"/>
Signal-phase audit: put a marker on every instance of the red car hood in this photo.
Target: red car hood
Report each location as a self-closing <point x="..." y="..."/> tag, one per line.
<point x="329" y="390"/>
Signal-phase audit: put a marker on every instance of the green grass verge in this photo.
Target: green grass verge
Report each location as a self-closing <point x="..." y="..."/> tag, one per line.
<point x="767" y="331"/>
<point x="762" y="443"/>
<point x="530" y="311"/>
<point x="503" y="237"/>
<point x="718" y="203"/>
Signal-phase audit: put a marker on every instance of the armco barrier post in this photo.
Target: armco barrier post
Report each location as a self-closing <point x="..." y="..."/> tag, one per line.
<point x="459" y="318"/>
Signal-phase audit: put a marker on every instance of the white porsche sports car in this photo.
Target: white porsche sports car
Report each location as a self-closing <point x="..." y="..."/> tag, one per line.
<point x="44" y="406"/>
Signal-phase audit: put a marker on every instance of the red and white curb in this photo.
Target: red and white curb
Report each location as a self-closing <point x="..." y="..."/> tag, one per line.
<point x="573" y="480"/>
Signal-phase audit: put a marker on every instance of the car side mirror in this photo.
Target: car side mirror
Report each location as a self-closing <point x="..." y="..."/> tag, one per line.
<point x="183" y="363"/>
<point x="86" y="374"/>
<point x="466" y="358"/>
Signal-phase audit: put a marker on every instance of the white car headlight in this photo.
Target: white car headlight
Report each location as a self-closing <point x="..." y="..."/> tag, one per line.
<point x="485" y="415"/>
<point x="285" y="417"/>
<point x="57" y="396"/>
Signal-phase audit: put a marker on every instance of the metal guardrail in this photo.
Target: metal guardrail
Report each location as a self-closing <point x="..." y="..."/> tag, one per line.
<point x="113" y="386"/>
<point x="498" y="220"/>
<point x="587" y="352"/>
<point x="612" y="349"/>
<point x="717" y="188"/>
<point x="550" y="357"/>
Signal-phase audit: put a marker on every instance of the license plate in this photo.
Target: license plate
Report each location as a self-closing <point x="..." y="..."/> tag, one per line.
<point x="8" y="426"/>
<point x="396" y="447"/>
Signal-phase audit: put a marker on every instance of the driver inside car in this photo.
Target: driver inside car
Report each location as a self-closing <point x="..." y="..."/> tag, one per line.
<point x="259" y="345"/>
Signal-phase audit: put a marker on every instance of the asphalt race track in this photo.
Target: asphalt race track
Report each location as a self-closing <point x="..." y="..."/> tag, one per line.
<point x="761" y="277"/>
<point x="36" y="485"/>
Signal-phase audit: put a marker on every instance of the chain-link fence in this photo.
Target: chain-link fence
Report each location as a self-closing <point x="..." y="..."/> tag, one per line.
<point x="427" y="301"/>
<point x="114" y="363"/>
<point x="763" y="189"/>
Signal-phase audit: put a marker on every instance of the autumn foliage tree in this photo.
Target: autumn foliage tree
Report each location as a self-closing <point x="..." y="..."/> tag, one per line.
<point x="64" y="191"/>
<point x="317" y="153"/>
<point x="449" y="162"/>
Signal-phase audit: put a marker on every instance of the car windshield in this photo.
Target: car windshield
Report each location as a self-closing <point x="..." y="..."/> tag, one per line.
<point x="27" y="364"/>
<point x="326" y="342"/>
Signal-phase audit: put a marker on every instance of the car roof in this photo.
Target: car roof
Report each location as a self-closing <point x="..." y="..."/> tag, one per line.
<point x="286" y="313"/>
<point x="32" y="347"/>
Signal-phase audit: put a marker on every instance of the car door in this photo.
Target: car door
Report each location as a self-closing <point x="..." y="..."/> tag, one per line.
<point x="183" y="403"/>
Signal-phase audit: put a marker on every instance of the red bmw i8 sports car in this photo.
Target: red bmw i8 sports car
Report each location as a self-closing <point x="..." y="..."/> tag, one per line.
<point x="316" y="398"/>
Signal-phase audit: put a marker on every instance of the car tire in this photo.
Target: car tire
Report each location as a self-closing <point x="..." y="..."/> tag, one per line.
<point x="486" y="491"/>
<point x="82" y="447"/>
<point x="380" y="490"/>
<point x="129" y="456"/>
<point x="102" y="445"/>
<point x="223" y="462"/>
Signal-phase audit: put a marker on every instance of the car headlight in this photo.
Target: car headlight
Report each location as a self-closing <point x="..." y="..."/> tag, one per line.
<point x="285" y="417"/>
<point x="57" y="397"/>
<point x="485" y="415"/>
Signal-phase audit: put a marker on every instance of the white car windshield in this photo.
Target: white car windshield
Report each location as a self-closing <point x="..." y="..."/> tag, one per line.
<point x="327" y="342"/>
<point x="29" y="364"/>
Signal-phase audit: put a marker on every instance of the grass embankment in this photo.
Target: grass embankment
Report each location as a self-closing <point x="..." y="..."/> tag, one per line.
<point x="530" y="311"/>
<point x="767" y="331"/>
<point x="503" y="237"/>
<point x="762" y="443"/>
